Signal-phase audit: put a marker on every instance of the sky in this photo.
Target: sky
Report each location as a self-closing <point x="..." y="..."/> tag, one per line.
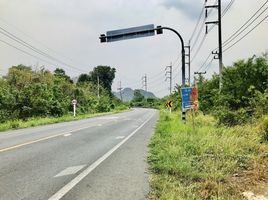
<point x="69" y="30"/>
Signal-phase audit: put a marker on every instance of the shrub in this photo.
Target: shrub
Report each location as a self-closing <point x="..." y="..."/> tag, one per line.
<point x="264" y="128"/>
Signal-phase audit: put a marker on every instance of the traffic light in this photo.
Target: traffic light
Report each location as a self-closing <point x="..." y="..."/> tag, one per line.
<point x="159" y="30"/>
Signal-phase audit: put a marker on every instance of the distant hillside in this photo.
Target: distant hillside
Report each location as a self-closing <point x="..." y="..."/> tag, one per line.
<point x="128" y="94"/>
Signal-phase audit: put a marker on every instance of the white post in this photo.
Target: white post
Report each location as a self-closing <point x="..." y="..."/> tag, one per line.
<point x="74" y="102"/>
<point x="74" y="109"/>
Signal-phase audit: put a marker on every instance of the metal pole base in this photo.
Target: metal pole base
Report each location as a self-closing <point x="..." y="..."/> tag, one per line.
<point x="184" y="117"/>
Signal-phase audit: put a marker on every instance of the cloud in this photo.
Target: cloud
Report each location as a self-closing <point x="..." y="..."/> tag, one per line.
<point x="189" y="8"/>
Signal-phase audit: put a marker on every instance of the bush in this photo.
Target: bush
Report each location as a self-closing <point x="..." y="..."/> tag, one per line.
<point x="232" y="117"/>
<point x="264" y="129"/>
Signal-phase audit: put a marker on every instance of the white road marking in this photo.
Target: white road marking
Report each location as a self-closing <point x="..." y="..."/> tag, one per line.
<point x="108" y="117"/>
<point x="67" y="134"/>
<point x="120" y="137"/>
<point x="58" y="195"/>
<point x="42" y="139"/>
<point x="70" y="170"/>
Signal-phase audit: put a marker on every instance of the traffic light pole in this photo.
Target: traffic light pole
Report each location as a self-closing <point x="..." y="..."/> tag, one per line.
<point x="144" y="31"/>
<point x="182" y="59"/>
<point x="182" y="51"/>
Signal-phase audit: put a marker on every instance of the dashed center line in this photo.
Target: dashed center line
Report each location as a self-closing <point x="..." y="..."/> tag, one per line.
<point x="70" y="170"/>
<point x="120" y="137"/>
<point x="67" y="134"/>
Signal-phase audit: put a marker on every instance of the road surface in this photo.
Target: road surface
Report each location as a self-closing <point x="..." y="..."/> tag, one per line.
<point x="97" y="158"/>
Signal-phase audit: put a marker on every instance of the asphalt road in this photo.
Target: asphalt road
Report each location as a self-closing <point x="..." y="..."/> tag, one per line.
<point x="97" y="158"/>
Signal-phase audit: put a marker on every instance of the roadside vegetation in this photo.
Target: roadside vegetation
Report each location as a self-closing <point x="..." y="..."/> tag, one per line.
<point x="226" y="152"/>
<point x="36" y="97"/>
<point x="32" y="122"/>
<point x="140" y="101"/>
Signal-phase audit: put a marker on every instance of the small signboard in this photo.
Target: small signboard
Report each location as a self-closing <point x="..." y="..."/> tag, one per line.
<point x="169" y="104"/>
<point x="189" y="98"/>
<point x="74" y="101"/>
<point x="194" y="98"/>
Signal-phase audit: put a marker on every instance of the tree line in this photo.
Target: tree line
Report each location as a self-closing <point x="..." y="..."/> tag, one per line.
<point x="27" y="93"/>
<point x="244" y="95"/>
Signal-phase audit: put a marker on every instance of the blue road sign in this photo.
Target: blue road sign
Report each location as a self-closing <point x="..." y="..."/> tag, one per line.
<point x="130" y="33"/>
<point x="186" y="98"/>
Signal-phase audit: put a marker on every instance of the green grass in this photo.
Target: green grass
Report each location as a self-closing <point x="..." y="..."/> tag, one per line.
<point x="208" y="162"/>
<point x="32" y="122"/>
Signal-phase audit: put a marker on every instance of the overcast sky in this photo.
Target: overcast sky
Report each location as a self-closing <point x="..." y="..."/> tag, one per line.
<point x="69" y="29"/>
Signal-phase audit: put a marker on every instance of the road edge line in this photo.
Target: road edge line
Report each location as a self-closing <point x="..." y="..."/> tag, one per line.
<point x="65" y="189"/>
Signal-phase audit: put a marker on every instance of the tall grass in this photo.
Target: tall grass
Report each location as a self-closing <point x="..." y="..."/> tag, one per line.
<point x="205" y="162"/>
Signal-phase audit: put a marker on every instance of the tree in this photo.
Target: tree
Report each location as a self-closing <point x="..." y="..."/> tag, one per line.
<point x="105" y="74"/>
<point x="138" y="97"/>
<point x="60" y="73"/>
<point x="83" y="78"/>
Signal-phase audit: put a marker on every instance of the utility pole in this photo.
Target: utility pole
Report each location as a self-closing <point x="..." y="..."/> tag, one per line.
<point x="188" y="62"/>
<point x="98" y="80"/>
<point x="120" y="90"/>
<point x="218" y="53"/>
<point x="168" y="75"/>
<point x="144" y="82"/>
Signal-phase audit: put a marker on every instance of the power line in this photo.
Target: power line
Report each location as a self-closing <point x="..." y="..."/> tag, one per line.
<point x="209" y="55"/>
<point x="25" y="52"/>
<point x="204" y="37"/>
<point x="246" y="34"/>
<point x="209" y="64"/>
<point x="243" y="28"/>
<point x="199" y="47"/>
<point x="227" y="8"/>
<point x="199" y="33"/>
<point x="223" y="13"/>
<point x="29" y="46"/>
<point x="198" y="21"/>
<point x="33" y="39"/>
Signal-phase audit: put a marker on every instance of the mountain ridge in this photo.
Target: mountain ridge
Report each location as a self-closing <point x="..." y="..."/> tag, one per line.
<point x="128" y="94"/>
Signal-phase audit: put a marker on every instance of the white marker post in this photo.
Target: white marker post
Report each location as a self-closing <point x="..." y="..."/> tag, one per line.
<point x="74" y="102"/>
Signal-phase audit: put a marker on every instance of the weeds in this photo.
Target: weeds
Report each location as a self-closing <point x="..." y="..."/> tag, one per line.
<point x="201" y="164"/>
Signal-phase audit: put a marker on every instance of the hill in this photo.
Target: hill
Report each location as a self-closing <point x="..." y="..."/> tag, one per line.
<point x="128" y="94"/>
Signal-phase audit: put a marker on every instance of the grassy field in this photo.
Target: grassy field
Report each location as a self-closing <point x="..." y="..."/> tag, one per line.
<point x="208" y="162"/>
<point x="17" y="124"/>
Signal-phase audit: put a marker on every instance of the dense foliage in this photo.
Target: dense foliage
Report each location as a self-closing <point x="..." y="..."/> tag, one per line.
<point x="244" y="95"/>
<point x="140" y="101"/>
<point x="25" y="93"/>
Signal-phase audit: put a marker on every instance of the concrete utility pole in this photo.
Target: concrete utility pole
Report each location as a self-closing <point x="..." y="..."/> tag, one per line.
<point x="168" y="75"/>
<point x="144" y="82"/>
<point x="218" y="53"/>
<point x="188" y="62"/>
<point x="120" y="90"/>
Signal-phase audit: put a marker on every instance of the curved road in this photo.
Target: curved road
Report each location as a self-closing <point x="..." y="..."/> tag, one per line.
<point x="97" y="158"/>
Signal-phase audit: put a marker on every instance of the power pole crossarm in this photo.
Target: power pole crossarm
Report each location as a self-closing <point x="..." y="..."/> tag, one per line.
<point x="168" y="75"/>
<point x="188" y="55"/>
<point x="219" y="53"/>
<point x="144" y="82"/>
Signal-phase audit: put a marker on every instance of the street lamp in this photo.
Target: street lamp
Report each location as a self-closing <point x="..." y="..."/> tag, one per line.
<point x="143" y="31"/>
